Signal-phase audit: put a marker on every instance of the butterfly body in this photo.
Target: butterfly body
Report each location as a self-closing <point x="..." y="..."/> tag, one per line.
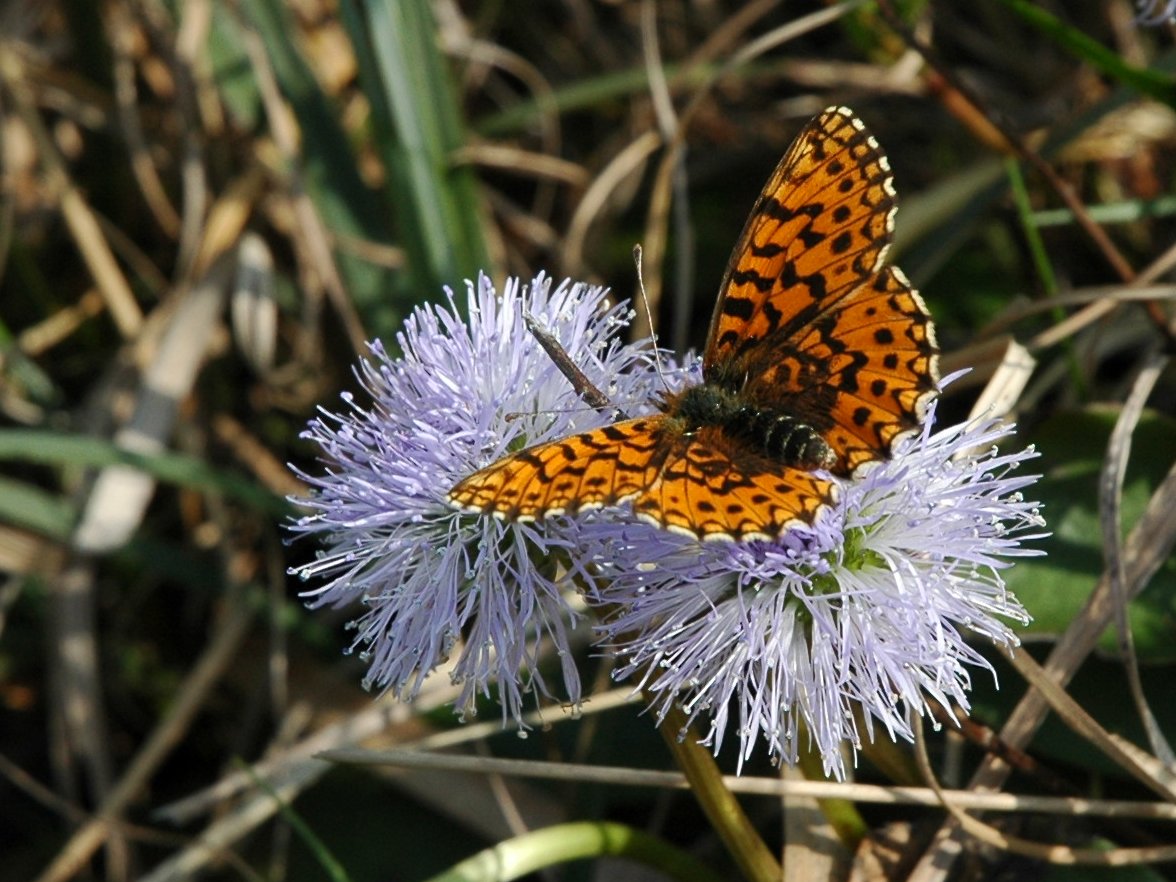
<point x="774" y="433"/>
<point x="818" y="360"/>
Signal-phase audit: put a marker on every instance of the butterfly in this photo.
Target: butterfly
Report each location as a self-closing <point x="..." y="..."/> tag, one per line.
<point x="818" y="359"/>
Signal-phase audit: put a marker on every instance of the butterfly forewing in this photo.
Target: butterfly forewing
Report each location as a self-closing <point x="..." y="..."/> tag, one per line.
<point x="604" y="466"/>
<point x="820" y="227"/>
<point x="697" y="485"/>
<point x="808" y="321"/>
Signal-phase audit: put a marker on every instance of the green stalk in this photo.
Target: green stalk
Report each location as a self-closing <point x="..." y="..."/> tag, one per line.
<point x="719" y="804"/>
<point x="1041" y="261"/>
<point x="576" y="841"/>
<point x="417" y="126"/>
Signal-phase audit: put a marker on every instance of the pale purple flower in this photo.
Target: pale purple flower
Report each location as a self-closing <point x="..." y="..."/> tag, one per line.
<point x="868" y="610"/>
<point x="470" y="385"/>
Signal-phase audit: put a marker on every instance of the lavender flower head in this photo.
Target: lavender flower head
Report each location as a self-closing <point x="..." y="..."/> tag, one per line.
<point x="865" y="610"/>
<point x="465" y="390"/>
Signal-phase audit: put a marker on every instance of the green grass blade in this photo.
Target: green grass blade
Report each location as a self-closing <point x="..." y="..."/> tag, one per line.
<point x="417" y="126"/>
<point x="33" y="508"/>
<point x="1152" y="83"/>
<point x="57" y="449"/>
<point x="328" y="171"/>
<point x="331" y="866"/>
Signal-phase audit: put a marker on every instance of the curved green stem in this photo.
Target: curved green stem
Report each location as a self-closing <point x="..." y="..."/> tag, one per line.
<point x="576" y="841"/>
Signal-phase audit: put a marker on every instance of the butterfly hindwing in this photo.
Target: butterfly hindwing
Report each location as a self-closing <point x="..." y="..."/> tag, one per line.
<point x="714" y="490"/>
<point x="863" y="374"/>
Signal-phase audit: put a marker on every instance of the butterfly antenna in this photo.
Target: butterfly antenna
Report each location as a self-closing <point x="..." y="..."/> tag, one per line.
<point x="584" y="387"/>
<point x="657" y="365"/>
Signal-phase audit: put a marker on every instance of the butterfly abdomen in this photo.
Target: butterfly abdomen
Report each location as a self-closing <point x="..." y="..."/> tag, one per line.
<point x="773" y="433"/>
<point x="783" y="437"/>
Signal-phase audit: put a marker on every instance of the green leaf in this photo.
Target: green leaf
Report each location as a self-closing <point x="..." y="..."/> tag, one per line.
<point x="32" y="508"/>
<point x="327" y="168"/>
<point x="1055" y="587"/>
<point x="1157" y="85"/>
<point x="57" y="449"/>
<point x="1099" y="687"/>
<point x="417" y="125"/>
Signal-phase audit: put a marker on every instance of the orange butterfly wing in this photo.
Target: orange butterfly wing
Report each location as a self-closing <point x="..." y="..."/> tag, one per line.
<point x="699" y="484"/>
<point x="715" y="489"/>
<point x="604" y="466"/>
<point x="808" y="321"/>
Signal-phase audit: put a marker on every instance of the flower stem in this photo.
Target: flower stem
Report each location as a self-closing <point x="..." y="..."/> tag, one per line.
<point x="539" y="849"/>
<point x="748" y="850"/>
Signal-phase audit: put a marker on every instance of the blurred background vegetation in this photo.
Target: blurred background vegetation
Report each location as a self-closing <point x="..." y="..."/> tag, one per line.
<point x="209" y="205"/>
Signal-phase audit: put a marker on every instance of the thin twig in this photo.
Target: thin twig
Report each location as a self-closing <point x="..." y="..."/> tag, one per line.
<point x="584" y="387"/>
<point x="1110" y="494"/>
<point x="413" y="757"/>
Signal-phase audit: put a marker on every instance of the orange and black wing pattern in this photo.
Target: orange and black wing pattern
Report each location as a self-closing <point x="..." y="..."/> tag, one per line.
<point x="604" y="466"/>
<point x="808" y="320"/>
<point x="699" y="485"/>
